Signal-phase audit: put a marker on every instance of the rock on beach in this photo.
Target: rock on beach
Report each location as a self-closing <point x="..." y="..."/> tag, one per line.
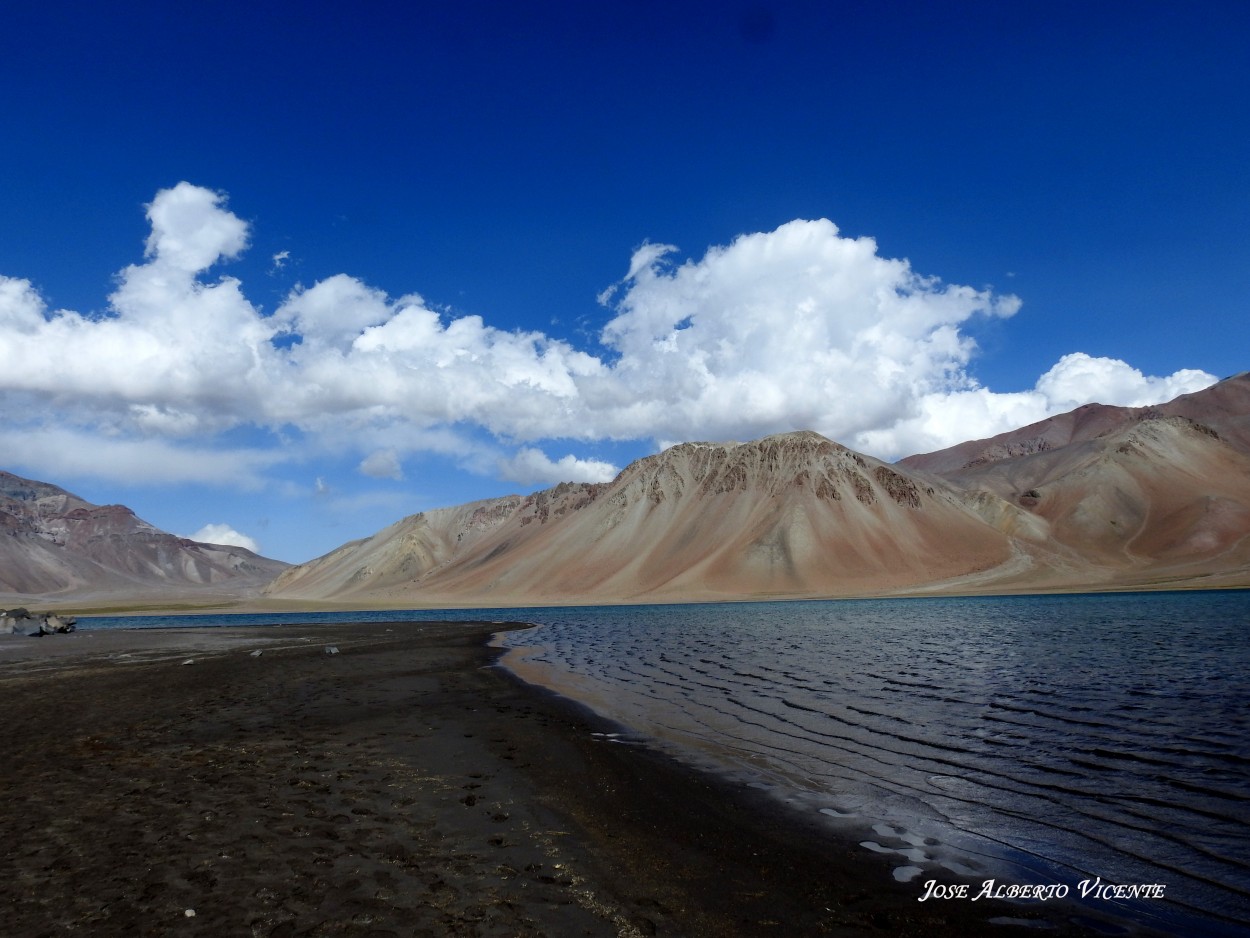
<point x="23" y="622"/>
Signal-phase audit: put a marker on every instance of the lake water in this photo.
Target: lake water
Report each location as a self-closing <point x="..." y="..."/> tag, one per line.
<point x="1038" y="740"/>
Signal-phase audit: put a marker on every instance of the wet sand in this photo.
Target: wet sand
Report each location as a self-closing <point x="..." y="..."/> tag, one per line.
<point x="401" y="786"/>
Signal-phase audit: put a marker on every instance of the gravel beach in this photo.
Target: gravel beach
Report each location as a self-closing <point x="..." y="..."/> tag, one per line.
<point x="385" y="779"/>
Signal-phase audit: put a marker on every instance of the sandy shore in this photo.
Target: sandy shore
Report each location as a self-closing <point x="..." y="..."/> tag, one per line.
<point x="401" y="786"/>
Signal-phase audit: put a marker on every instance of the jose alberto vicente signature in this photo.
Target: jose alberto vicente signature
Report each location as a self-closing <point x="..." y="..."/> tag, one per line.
<point x="1086" y="889"/>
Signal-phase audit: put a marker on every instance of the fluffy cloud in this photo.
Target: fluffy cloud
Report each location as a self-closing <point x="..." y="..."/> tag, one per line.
<point x="176" y="355"/>
<point x="190" y="230"/>
<point x="534" y="467"/>
<point x="945" y="418"/>
<point x="1078" y="379"/>
<point x="790" y="329"/>
<point x="224" y="534"/>
<point x="794" y="328"/>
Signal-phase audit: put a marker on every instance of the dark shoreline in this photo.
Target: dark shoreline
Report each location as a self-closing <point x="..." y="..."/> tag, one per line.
<point x="405" y="785"/>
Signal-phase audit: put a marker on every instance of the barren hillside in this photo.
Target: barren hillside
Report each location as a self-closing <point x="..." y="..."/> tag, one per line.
<point x="54" y="544"/>
<point x="789" y="515"/>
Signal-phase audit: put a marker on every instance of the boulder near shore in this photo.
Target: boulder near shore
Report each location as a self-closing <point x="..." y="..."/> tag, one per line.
<point x="23" y="622"/>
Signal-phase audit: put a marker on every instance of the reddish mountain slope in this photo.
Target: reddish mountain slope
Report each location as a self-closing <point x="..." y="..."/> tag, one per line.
<point x="1225" y="407"/>
<point x="54" y="544"/>
<point x="1128" y="496"/>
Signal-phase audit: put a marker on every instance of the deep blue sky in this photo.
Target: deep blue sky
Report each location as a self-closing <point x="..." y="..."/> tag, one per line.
<point x="505" y="161"/>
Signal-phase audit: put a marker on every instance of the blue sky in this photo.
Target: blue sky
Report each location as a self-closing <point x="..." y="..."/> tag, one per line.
<point x="298" y="271"/>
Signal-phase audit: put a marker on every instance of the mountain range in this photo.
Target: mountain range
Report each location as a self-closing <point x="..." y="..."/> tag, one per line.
<point x="1101" y="497"/>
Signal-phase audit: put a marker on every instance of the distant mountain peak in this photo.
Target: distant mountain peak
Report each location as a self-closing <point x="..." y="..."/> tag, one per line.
<point x="28" y="490"/>
<point x="1224" y="408"/>
<point x="55" y="544"/>
<point x="792" y="513"/>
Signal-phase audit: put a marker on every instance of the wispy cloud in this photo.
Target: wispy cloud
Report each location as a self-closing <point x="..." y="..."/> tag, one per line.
<point x="382" y="464"/>
<point x="60" y="453"/>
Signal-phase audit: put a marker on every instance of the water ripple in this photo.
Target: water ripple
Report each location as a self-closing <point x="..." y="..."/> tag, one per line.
<point x="1080" y="735"/>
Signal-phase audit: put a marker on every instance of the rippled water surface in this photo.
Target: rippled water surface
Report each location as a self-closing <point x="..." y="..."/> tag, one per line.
<point x="1066" y="737"/>
<point x="1042" y="739"/>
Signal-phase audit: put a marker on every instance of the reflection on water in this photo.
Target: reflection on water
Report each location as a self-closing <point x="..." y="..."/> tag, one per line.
<point x="1046" y="739"/>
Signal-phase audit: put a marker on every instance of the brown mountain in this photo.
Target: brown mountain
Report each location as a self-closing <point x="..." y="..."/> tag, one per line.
<point x="1102" y="497"/>
<point x="55" y="545"/>
<point x="1224" y="407"/>
<point x="788" y="515"/>
<point x="1122" y="496"/>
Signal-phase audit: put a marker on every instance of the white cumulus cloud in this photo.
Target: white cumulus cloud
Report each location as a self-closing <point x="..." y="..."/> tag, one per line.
<point x="190" y="229"/>
<point x="1077" y="379"/>
<point x="532" y="466"/>
<point x="224" y="534"/>
<point x="946" y="418"/>
<point x="796" y="328"/>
